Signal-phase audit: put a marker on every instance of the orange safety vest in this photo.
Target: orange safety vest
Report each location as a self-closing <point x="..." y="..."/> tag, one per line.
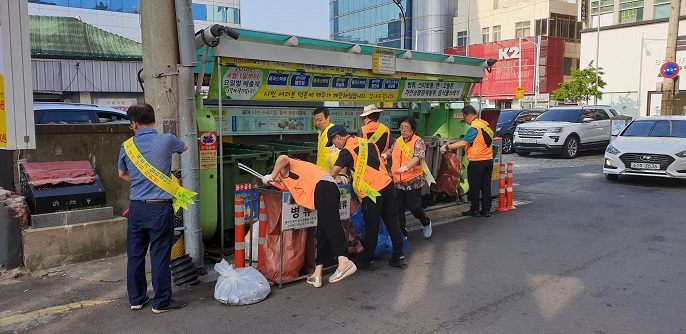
<point x="369" y="129"/>
<point x="400" y="159"/>
<point x="376" y="178"/>
<point x="302" y="188"/>
<point x="478" y="150"/>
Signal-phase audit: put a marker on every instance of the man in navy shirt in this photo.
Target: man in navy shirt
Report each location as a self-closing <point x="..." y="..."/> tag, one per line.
<point x="151" y="216"/>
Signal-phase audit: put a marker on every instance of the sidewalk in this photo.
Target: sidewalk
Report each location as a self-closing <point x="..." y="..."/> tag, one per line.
<point x="30" y="300"/>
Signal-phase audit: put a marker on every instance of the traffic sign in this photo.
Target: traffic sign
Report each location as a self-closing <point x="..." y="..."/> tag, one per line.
<point x="669" y="69"/>
<point x="519" y="93"/>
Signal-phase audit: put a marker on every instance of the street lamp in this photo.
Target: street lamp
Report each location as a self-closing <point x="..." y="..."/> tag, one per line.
<point x="402" y="23"/>
<point x="644" y="44"/>
<point x="416" y="36"/>
<point x="597" y="49"/>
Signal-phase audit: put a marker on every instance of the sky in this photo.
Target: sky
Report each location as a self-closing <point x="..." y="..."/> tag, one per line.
<point x="306" y="18"/>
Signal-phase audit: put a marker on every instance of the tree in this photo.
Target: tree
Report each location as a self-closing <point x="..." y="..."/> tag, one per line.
<point x="583" y="85"/>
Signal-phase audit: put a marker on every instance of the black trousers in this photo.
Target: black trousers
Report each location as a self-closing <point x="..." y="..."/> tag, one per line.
<point x="479" y="179"/>
<point x="386" y="208"/>
<point x="410" y="199"/>
<point x="331" y="242"/>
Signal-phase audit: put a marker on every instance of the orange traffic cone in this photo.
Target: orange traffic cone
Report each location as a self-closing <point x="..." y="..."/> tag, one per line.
<point x="239" y="229"/>
<point x="508" y="191"/>
<point x="262" y="234"/>
<point x="501" y="191"/>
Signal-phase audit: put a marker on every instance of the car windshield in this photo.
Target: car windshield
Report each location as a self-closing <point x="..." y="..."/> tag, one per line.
<point x="560" y="115"/>
<point x="507" y="117"/>
<point x="656" y="128"/>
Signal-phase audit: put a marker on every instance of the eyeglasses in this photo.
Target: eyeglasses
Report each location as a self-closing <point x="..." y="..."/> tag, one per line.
<point x="405" y="128"/>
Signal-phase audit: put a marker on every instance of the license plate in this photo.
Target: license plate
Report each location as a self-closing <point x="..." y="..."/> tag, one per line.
<point x="643" y="165"/>
<point x="529" y="141"/>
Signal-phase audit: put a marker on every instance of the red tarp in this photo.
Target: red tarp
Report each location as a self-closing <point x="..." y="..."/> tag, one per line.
<point x="72" y="172"/>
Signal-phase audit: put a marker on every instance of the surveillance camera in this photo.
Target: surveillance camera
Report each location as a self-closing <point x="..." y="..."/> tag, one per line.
<point x="210" y="35"/>
<point x="490" y="62"/>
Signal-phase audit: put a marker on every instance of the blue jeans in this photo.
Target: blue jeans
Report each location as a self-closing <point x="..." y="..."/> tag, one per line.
<point x="149" y="224"/>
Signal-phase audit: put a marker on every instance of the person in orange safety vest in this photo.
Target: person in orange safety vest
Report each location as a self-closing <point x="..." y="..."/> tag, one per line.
<point x="375" y="131"/>
<point x="374" y="187"/>
<point x="410" y="174"/>
<point x="477" y="142"/>
<point x="314" y="189"/>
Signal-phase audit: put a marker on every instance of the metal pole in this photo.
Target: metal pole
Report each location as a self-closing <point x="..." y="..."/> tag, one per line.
<point x="221" y="159"/>
<point x="188" y="128"/>
<point x="519" y="76"/>
<point x="597" y="49"/>
<point x="466" y="53"/>
<point x="416" y="40"/>
<point x="670" y="55"/>
<point x="537" y="61"/>
<point x="402" y="23"/>
<point x="640" y="80"/>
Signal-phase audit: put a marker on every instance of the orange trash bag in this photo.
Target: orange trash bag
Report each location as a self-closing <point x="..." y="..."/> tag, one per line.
<point x="448" y="177"/>
<point x="294" y="243"/>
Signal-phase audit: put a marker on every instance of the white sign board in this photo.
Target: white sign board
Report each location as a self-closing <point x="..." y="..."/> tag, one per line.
<point x="618" y="125"/>
<point x="294" y="216"/>
<point x="383" y="61"/>
<point x="17" y="129"/>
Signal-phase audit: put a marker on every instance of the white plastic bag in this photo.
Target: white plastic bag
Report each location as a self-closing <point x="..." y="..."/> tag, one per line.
<point x="255" y="236"/>
<point x="241" y="286"/>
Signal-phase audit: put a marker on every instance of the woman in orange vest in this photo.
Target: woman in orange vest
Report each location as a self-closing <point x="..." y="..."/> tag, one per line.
<point x="312" y="188"/>
<point x="407" y="155"/>
<point x="375" y="189"/>
<point x="477" y="141"/>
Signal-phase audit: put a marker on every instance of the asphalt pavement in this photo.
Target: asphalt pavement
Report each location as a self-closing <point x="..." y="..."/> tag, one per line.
<point x="579" y="255"/>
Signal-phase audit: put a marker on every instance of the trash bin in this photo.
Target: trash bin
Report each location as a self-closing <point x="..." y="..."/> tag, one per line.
<point x="304" y="153"/>
<point x="432" y="158"/>
<point x="237" y="182"/>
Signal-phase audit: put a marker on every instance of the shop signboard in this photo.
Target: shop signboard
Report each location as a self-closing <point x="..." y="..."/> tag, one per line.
<point x="294" y="216"/>
<point x="264" y="120"/>
<point x="246" y="79"/>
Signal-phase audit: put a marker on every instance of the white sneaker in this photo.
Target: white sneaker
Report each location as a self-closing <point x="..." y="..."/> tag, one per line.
<point x="427" y="231"/>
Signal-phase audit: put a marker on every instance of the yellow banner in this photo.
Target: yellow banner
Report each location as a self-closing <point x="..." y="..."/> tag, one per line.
<point x="182" y="196"/>
<point x="3" y="113"/>
<point x="359" y="184"/>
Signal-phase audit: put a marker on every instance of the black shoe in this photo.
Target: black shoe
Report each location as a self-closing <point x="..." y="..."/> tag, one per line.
<point x="397" y="262"/>
<point x="366" y="266"/>
<point x="472" y="213"/>
<point x="485" y="213"/>
<point x="404" y="232"/>
<point x="174" y="304"/>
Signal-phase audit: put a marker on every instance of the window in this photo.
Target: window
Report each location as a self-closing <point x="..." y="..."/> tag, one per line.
<point x="484" y="35"/>
<point x="106" y="116"/>
<point x="496" y="33"/>
<point x="496" y="4"/>
<point x="568" y="65"/>
<point x="630" y="11"/>
<point x="606" y="6"/>
<point x="66" y="116"/>
<point x="522" y="29"/>
<point x="542" y="27"/>
<point x="564" y="26"/>
<point x="662" y="8"/>
<point x="461" y="38"/>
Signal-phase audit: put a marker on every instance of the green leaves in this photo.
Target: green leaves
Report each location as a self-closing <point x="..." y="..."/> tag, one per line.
<point x="583" y="85"/>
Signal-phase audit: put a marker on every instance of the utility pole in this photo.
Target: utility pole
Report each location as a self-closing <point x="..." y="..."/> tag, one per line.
<point x="667" y="107"/>
<point x="160" y="57"/>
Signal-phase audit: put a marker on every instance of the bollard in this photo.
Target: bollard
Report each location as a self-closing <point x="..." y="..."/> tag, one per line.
<point x="508" y="191"/>
<point x="262" y="234"/>
<point x="501" y="190"/>
<point x="239" y="229"/>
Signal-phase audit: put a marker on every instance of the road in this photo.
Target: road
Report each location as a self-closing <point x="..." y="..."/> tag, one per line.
<point x="582" y="255"/>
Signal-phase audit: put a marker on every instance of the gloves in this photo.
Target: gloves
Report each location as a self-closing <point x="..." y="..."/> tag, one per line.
<point x="401" y="170"/>
<point x="342" y="179"/>
<point x="267" y="179"/>
<point x="443" y="149"/>
<point x="384" y="158"/>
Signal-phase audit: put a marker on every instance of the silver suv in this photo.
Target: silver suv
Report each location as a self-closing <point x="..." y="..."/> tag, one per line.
<point x="75" y="113"/>
<point x="565" y="131"/>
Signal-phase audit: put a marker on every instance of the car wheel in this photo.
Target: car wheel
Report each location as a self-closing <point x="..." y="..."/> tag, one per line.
<point x="611" y="177"/>
<point x="523" y="154"/>
<point x="508" y="147"/>
<point x="570" y="148"/>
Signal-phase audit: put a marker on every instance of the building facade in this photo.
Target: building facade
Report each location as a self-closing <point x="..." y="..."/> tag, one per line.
<point x="628" y="40"/>
<point x="121" y="17"/>
<point x="428" y="23"/>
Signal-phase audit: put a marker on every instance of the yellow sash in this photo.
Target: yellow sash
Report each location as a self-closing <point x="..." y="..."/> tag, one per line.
<point x="410" y="154"/>
<point x="325" y="157"/>
<point x="378" y="133"/>
<point x="477" y="123"/>
<point x="359" y="184"/>
<point x="182" y="196"/>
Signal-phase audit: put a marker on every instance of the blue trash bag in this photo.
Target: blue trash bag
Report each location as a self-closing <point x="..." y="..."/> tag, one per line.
<point x="383" y="244"/>
<point x="357" y="221"/>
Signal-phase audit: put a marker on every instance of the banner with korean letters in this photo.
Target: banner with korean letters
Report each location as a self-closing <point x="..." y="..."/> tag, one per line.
<point x="294" y="216"/>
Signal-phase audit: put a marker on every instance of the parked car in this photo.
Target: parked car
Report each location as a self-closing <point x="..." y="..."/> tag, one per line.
<point x="649" y="146"/>
<point x="565" y="131"/>
<point x="508" y="121"/>
<point x="75" y="113"/>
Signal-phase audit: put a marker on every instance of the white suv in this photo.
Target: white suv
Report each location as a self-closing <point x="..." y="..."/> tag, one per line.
<point x="565" y="131"/>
